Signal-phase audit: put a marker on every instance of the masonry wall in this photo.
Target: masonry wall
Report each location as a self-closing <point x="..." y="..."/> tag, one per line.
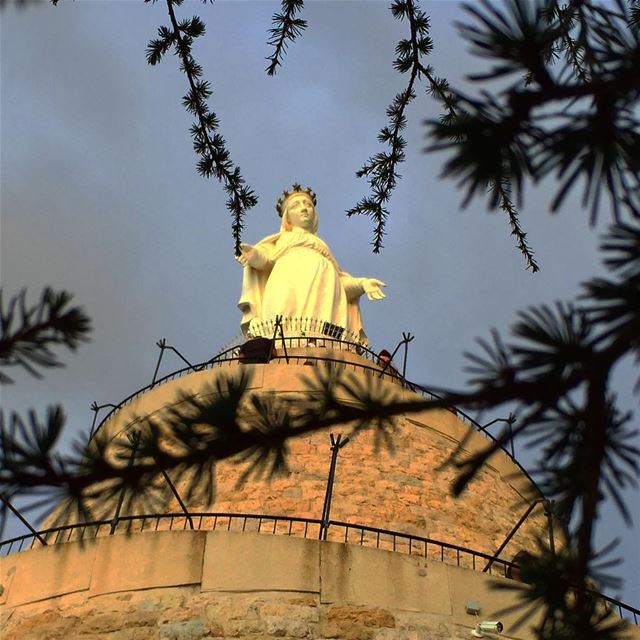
<point x="184" y="585"/>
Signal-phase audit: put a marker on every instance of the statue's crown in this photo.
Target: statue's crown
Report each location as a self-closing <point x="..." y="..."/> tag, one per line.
<point x="296" y="188"/>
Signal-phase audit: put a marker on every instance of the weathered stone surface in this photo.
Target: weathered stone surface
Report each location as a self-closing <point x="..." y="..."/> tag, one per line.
<point x="142" y="618"/>
<point x="290" y="611"/>
<point x="244" y="628"/>
<point x="395" y="489"/>
<point x="156" y="615"/>
<point x="49" y="624"/>
<point x="102" y="622"/>
<point x="286" y="627"/>
<point x="65" y="570"/>
<point x="362" y="615"/>
<point x="170" y="558"/>
<point x="252" y="561"/>
<point x="354" y="575"/>
<point x="184" y="630"/>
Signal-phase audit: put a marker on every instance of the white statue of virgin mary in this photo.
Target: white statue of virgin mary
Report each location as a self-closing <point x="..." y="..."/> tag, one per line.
<point x="294" y="274"/>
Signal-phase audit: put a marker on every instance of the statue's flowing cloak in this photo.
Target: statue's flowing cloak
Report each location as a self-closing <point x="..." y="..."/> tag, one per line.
<point x="302" y="280"/>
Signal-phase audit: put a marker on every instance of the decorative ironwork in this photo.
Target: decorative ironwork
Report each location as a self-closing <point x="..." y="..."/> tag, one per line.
<point x="163" y="346"/>
<point x="303" y="327"/>
<point x="95" y="407"/>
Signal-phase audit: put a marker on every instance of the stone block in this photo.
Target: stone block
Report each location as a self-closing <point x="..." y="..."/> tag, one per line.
<point x="375" y="578"/>
<point x="104" y="622"/>
<point x="360" y="615"/>
<point x="244" y="628"/>
<point x="148" y="560"/>
<point x="285" y="627"/>
<point x="260" y="562"/>
<point x="49" y="624"/>
<point x="49" y="571"/>
<point x="290" y="610"/>
<point x="142" y="618"/>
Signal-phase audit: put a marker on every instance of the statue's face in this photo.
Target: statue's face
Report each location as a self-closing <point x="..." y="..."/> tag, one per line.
<point x="300" y="212"/>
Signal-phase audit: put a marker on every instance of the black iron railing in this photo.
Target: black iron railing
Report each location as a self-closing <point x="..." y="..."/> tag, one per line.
<point x="232" y="355"/>
<point x="344" y="532"/>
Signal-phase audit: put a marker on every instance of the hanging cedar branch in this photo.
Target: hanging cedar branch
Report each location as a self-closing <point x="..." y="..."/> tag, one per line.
<point x="286" y="28"/>
<point x="382" y="168"/>
<point x="208" y="143"/>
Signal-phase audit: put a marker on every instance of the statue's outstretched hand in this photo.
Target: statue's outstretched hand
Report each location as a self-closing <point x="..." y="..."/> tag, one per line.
<point x="252" y="256"/>
<point x="373" y="288"/>
<point x="245" y="254"/>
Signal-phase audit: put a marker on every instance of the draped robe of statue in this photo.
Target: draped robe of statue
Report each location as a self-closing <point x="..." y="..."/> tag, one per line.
<point x="298" y="277"/>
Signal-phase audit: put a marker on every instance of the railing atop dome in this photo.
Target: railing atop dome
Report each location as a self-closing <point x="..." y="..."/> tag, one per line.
<point x="332" y="340"/>
<point x="310" y="528"/>
<point x="232" y="354"/>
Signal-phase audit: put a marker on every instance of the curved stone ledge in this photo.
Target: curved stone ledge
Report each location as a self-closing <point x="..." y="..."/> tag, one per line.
<point x="200" y="585"/>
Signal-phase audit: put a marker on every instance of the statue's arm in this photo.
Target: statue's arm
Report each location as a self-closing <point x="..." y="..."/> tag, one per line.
<point x="254" y="256"/>
<point x="352" y="286"/>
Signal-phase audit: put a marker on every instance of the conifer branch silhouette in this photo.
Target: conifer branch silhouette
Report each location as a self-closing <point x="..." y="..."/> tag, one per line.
<point x="381" y="170"/>
<point x="502" y="191"/>
<point x="28" y="333"/>
<point x="574" y="117"/>
<point x="208" y="143"/>
<point x="556" y="370"/>
<point x="286" y="28"/>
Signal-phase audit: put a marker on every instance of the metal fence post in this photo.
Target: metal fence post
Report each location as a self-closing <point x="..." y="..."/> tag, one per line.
<point x="336" y="445"/>
<point x="135" y="441"/>
<point x="406" y="338"/>
<point x="548" y="511"/>
<point x="22" y="519"/>
<point x="161" y="344"/>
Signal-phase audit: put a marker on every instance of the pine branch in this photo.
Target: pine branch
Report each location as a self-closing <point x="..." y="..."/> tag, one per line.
<point x="502" y="191"/>
<point x="382" y="169"/>
<point x="565" y="16"/>
<point x="28" y="334"/>
<point x="559" y="351"/>
<point x="286" y="29"/>
<point x="208" y="143"/>
<point x="594" y="137"/>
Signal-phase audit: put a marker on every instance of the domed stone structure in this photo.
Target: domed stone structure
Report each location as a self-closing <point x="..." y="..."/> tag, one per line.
<point x="361" y="541"/>
<point x="402" y="558"/>
<point x="404" y="486"/>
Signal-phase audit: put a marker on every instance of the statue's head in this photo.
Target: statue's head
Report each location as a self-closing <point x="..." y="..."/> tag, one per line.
<point x="297" y="208"/>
